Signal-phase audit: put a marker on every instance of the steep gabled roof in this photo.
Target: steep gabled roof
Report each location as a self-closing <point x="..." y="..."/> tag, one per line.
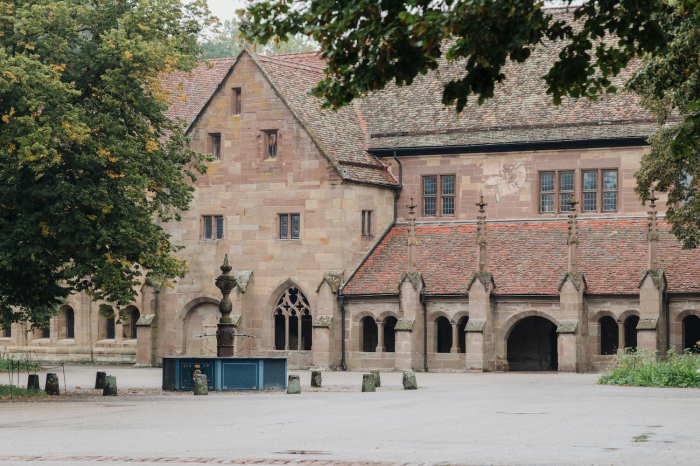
<point x="527" y="258"/>
<point x="339" y="135"/>
<point x="192" y="91"/>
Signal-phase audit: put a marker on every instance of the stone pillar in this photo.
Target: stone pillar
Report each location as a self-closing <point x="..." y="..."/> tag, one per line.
<point x="572" y="333"/>
<point x="327" y="324"/>
<point x="651" y="291"/>
<point x="409" y="328"/>
<point x="226" y="328"/>
<point x="479" y="338"/>
<point x="380" y="338"/>
<point x="455" y="339"/>
<point x="144" y="340"/>
<point x="243" y="306"/>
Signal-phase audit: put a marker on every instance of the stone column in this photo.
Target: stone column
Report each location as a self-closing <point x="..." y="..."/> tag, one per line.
<point x="299" y="347"/>
<point x="621" y="335"/>
<point x="409" y="328"/>
<point x="572" y="331"/>
<point x="380" y="338"/>
<point x="286" y="332"/>
<point x="404" y="345"/>
<point x="455" y="339"/>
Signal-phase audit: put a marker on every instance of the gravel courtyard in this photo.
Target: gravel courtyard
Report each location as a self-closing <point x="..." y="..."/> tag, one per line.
<point x="489" y="418"/>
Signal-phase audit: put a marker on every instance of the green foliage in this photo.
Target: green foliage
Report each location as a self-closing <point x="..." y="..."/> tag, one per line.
<point x="90" y="166"/>
<point x="227" y="43"/>
<point x="370" y="43"/>
<point x="670" y="85"/>
<point x="640" y="369"/>
<point x="7" y="363"/>
<point x="6" y="390"/>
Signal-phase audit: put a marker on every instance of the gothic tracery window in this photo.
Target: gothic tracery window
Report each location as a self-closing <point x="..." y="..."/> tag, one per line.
<point x="292" y="320"/>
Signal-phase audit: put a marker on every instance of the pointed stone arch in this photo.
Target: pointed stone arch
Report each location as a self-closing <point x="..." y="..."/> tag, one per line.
<point x="291" y="315"/>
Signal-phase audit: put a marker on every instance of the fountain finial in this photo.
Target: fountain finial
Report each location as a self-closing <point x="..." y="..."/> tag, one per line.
<point x="226" y="268"/>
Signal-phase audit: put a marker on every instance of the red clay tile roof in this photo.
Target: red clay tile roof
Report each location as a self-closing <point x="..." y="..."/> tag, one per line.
<point x="197" y="87"/>
<point x="527" y="258"/>
<point x="341" y="132"/>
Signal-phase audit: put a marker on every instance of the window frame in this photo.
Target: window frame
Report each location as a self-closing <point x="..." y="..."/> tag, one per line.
<point x="585" y="191"/>
<point x="367" y="224"/>
<point x="290" y="225"/>
<point x="553" y="192"/>
<point x="214" y="228"/>
<point x="439" y="195"/>
<point x="236" y="101"/>
<point x="269" y="135"/>
<point x="579" y="191"/>
<point x="212" y="146"/>
<point x="603" y="171"/>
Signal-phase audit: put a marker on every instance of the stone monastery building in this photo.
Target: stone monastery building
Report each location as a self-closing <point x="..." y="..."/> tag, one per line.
<point x="359" y="239"/>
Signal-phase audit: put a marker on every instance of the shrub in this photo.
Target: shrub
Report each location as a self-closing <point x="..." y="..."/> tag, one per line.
<point x="7" y="363"/>
<point x="17" y="391"/>
<point x="640" y="369"/>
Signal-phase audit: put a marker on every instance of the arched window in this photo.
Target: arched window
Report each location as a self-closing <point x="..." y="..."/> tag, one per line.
<point x="691" y="333"/>
<point x="110" y="328"/>
<point x="293" y="312"/>
<point x="46" y="331"/>
<point x="462" y="335"/>
<point x="631" y="332"/>
<point x="70" y="323"/>
<point x="390" y="334"/>
<point x="370" y="334"/>
<point x="608" y="335"/>
<point x="134" y="317"/>
<point x="443" y="334"/>
<point x="7" y="332"/>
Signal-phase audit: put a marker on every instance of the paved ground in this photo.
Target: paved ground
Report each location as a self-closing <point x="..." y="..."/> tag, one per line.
<point x="492" y="418"/>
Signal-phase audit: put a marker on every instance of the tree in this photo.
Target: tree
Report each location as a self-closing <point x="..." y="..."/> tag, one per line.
<point x="670" y="87"/>
<point x="227" y="43"/>
<point x="90" y="165"/>
<point x="370" y="43"/>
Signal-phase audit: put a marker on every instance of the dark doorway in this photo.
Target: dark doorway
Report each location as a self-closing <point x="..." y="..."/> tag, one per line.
<point x="608" y="335"/>
<point x="532" y="345"/>
<point x="7" y="332"/>
<point x="293" y="332"/>
<point x="306" y="331"/>
<point x="369" y="335"/>
<point x="110" y="328"/>
<point x="691" y="334"/>
<point x="631" y="332"/>
<point x="279" y="331"/>
<point x="135" y="316"/>
<point x="444" y="335"/>
<point x="46" y="332"/>
<point x="390" y="334"/>
<point x="462" y="334"/>
<point x="70" y="323"/>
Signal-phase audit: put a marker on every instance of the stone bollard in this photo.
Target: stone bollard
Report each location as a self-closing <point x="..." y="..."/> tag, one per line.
<point x="409" y="380"/>
<point x="51" y="387"/>
<point x="33" y="382"/>
<point x="377" y="380"/>
<point x="200" y="385"/>
<point x="368" y="383"/>
<point x="293" y="385"/>
<point x="110" y="386"/>
<point x="316" y="378"/>
<point x="100" y="380"/>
